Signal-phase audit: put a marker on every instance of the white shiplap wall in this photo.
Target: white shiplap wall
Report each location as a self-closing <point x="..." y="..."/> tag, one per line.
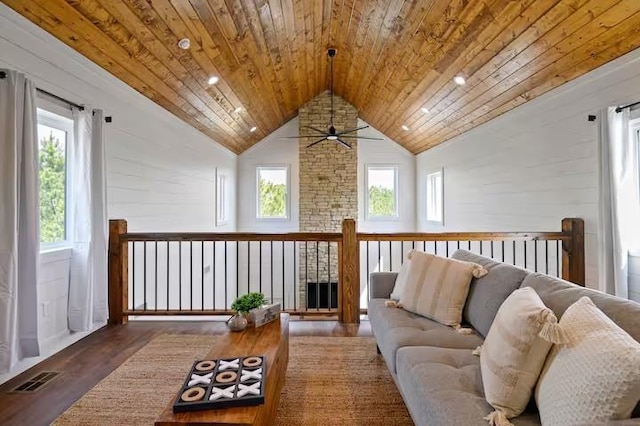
<point x="529" y="168"/>
<point x="160" y="170"/>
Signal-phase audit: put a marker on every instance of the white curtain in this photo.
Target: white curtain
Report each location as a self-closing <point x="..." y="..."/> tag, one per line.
<point x="618" y="200"/>
<point x="88" y="223"/>
<point x="19" y="221"/>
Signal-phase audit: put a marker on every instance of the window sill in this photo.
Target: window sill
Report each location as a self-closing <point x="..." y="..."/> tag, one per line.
<point x="55" y="254"/>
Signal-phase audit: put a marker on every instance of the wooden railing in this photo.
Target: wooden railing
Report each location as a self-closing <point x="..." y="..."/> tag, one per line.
<point x="308" y="273"/>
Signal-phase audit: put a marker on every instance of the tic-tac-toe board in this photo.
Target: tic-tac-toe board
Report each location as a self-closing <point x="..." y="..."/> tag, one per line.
<point x="222" y="383"/>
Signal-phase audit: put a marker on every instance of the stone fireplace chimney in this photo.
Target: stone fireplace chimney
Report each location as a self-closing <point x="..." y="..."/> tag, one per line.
<point x="328" y="188"/>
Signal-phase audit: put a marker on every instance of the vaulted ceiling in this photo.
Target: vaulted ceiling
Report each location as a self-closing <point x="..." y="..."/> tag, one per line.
<point x="396" y="59"/>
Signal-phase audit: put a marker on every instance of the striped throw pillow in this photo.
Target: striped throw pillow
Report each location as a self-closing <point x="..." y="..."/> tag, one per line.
<point x="437" y="287"/>
<point x="514" y="352"/>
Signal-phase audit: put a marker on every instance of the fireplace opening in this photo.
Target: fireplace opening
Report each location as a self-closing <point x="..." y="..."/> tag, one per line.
<point x="322" y="295"/>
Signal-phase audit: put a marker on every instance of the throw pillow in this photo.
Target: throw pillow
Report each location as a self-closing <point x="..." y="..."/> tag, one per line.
<point x="401" y="280"/>
<point x="514" y="351"/>
<point x="601" y="361"/>
<point x="437" y="287"/>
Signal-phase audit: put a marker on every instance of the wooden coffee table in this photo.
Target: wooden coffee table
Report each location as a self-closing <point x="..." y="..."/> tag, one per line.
<point x="271" y="340"/>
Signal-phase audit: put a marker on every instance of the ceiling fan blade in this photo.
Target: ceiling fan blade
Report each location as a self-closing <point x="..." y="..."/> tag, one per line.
<point x="299" y="137"/>
<point x="360" y="137"/>
<point x="316" y="129"/>
<point x="343" y="143"/>
<point x="351" y="130"/>
<point x="316" y="142"/>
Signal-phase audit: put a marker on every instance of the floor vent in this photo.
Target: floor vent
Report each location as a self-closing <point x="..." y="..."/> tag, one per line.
<point x="36" y="383"/>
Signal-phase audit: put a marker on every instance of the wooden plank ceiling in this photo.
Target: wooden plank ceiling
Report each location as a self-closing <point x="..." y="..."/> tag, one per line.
<point x="396" y="58"/>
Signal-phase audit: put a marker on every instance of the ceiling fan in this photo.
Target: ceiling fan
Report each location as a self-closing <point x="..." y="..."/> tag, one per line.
<point x="331" y="134"/>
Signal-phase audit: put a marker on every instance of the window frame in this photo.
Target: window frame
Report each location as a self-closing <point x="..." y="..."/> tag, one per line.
<point x="430" y="179"/>
<point x="287" y="200"/>
<point x="51" y="115"/>
<point x="222" y="199"/>
<point x="396" y="209"/>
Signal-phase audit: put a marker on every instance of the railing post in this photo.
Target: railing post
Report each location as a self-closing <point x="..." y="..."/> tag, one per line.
<point x="350" y="274"/>
<point x="118" y="272"/>
<point x="573" y="251"/>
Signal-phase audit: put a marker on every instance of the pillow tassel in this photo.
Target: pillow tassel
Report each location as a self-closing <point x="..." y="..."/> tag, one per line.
<point x="477" y="351"/>
<point x="498" y="418"/>
<point x="551" y="330"/>
<point x="463" y="330"/>
<point x="392" y="304"/>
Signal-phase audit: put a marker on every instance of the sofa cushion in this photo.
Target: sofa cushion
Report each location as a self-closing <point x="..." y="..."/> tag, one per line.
<point x="514" y="352"/>
<point x="558" y="295"/>
<point x="443" y="387"/>
<point x="601" y="360"/>
<point x="395" y="328"/>
<point x="437" y="287"/>
<point x="486" y="294"/>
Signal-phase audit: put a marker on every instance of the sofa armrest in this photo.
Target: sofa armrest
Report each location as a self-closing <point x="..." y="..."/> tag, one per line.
<point x="381" y="284"/>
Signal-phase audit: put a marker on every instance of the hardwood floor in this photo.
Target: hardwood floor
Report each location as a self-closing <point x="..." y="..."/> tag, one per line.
<point x="88" y="361"/>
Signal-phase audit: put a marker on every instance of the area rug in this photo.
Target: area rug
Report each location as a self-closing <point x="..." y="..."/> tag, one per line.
<point x="330" y="381"/>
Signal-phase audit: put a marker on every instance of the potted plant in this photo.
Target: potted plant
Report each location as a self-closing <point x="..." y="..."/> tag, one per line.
<point x="242" y="305"/>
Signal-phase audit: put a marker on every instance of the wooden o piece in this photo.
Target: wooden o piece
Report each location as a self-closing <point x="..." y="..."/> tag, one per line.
<point x="252" y="361"/>
<point x="226" y="377"/>
<point x="205" y="365"/>
<point x="193" y="394"/>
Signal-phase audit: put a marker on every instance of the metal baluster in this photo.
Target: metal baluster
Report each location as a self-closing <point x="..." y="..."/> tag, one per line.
<point x="202" y="275"/>
<point x="514" y="252"/>
<point x="435" y="248"/>
<point x="306" y="273"/>
<point x="237" y="268"/>
<point x="317" y="275"/>
<point x="379" y="257"/>
<point x="180" y="275"/>
<point x="133" y="279"/>
<point x="155" y="265"/>
<point x="329" y="273"/>
<point x="248" y="266"/>
<point x="502" y="250"/>
<point x="525" y="254"/>
<point x="191" y="274"/>
<point x="458" y="244"/>
<point x="558" y="269"/>
<point x="260" y="267"/>
<point x="446" y="247"/>
<point x="368" y="272"/>
<point x="492" y="248"/>
<point x="535" y="255"/>
<point x="480" y="242"/>
<point x="401" y="253"/>
<point x="213" y="273"/>
<point x="295" y="276"/>
<point x="168" y="274"/>
<point x="271" y="256"/>
<point x="469" y="245"/>
<point x="283" y="286"/>
<point x="390" y="257"/>
<point x="546" y="257"/>
<point x="226" y="277"/>
<point x="144" y="278"/>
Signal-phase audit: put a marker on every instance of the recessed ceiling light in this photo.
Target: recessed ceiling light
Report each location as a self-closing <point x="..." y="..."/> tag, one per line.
<point x="213" y="80"/>
<point x="184" y="44"/>
<point x="405" y="127"/>
<point x="425" y="110"/>
<point x="237" y="110"/>
<point x="458" y="79"/>
<point x="253" y="129"/>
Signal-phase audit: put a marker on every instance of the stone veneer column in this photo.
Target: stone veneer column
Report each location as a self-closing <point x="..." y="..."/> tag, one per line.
<point x="328" y="186"/>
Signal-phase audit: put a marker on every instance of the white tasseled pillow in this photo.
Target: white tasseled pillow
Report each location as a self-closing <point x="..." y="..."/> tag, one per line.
<point x="593" y="379"/>
<point x="437" y="287"/>
<point x="514" y="352"/>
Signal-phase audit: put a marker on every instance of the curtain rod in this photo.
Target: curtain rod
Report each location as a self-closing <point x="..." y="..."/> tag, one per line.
<point x="44" y="92"/>
<point x="619" y="109"/>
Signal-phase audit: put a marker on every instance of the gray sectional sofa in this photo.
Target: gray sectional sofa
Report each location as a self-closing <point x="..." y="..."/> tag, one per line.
<point x="432" y="364"/>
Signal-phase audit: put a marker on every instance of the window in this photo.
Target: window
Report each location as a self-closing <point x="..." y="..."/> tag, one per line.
<point x="54" y="136"/>
<point x="435" y="202"/>
<point x="273" y="192"/>
<point x="382" y="193"/>
<point x="221" y="200"/>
